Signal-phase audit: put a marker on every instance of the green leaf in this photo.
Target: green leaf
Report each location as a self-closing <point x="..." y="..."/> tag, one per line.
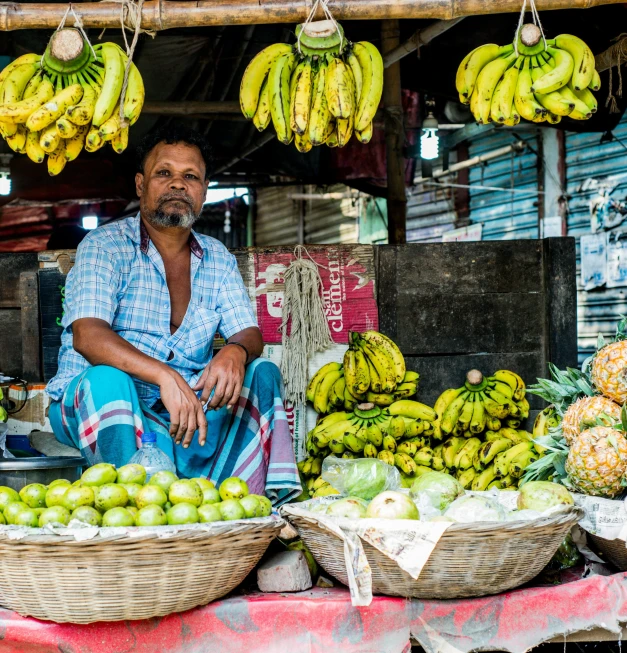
<point x="600" y="342"/>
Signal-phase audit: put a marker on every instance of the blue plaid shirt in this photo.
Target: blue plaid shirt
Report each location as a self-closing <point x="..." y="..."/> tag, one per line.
<point x="119" y="277"/>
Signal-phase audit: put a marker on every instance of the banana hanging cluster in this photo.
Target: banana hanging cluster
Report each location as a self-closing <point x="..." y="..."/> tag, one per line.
<point x="479" y="425"/>
<point x="398" y="435"/>
<point x="58" y="107"/>
<point x="319" y="92"/>
<point x="539" y="80"/>
<point x="373" y="372"/>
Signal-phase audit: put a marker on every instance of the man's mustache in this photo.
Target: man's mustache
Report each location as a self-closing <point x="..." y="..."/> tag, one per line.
<point x="179" y="197"/>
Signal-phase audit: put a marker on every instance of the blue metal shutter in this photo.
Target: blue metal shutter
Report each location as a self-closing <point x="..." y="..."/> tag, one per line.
<point x="505" y="216"/>
<point x="598" y="310"/>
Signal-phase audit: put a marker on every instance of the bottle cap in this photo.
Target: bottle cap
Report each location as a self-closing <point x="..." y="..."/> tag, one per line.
<point x="149" y="436"/>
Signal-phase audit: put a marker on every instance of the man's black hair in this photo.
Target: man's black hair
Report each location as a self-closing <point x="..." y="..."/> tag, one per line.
<point x="170" y="134"/>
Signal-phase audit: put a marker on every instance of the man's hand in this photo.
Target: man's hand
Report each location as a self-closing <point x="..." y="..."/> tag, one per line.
<point x="225" y="373"/>
<point x="186" y="411"/>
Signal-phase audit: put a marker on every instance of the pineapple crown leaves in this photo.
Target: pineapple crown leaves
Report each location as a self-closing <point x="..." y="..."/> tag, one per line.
<point x="564" y="388"/>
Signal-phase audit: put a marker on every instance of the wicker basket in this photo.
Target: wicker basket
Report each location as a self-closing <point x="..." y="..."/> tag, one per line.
<point x="469" y="559"/>
<point x="613" y="551"/>
<point x="120" y="577"/>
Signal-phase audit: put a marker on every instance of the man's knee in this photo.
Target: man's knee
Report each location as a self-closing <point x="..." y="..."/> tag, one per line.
<point x="264" y="368"/>
<point x="107" y="375"/>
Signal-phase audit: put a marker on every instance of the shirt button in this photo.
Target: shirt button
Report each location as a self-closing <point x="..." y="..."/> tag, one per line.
<point x="165" y="305"/>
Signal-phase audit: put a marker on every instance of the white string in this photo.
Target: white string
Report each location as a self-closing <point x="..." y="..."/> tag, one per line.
<point x="535" y="16"/>
<point x="327" y="13"/>
<point x="130" y="51"/>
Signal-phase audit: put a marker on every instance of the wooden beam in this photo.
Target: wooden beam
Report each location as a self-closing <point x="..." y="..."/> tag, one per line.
<point x="394" y="138"/>
<point x="615" y="54"/>
<point x="418" y="39"/>
<point x="169" y="14"/>
<point x="191" y="108"/>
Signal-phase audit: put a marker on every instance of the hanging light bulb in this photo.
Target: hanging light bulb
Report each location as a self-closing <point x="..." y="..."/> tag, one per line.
<point x="429" y="140"/>
<point x="5" y="174"/>
<point x="227" y="222"/>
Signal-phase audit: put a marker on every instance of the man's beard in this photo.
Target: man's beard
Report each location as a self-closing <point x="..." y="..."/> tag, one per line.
<point x="184" y="218"/>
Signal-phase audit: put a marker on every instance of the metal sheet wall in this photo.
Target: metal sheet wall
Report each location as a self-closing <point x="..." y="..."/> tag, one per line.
<point x="326" y="222"/>
<point x="598" y="310"/>
<point x="430" y="208"/>
<point x="505" y="216"/>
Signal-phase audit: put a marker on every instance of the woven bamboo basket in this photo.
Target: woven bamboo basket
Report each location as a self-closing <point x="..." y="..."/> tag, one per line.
<point x="119" y="577"/>
<point x="613" y="551"/>
<point x="469" y="560"/>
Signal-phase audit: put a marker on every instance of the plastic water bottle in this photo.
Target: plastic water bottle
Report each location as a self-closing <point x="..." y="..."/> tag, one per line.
<point x="151" y="457"/>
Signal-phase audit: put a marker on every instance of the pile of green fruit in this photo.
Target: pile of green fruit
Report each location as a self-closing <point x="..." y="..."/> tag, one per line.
<point x="106" y="496"/>
<point x="3" y="413"/>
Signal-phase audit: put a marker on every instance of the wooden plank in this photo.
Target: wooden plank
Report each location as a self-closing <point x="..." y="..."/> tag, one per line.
<point x="11" y="265"/>
<point x="31" y="343"/>
<point x="464" y="324"/>
<point x="561" y="301"/>
<point x="394" y="138"/>
<point x="501" y="266"/>
<point x="440" y="372"/>
<point x="11" y="348"/>
<point x="51" y="290"/>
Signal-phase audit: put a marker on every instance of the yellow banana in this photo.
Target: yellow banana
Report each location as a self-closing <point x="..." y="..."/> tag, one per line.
<point x="321" y="398"/>
<point x="112" y="85"/>
<point x="300" y="104"/>
<point x="52" y="110"/>
<point x="386" y="457"/>
<point x="16" y="81"/>
<point x="111" y="126"/>
<point x="374" y="435"/>
<point x="329" y="420"/>
<point x="595" y="84"/>
<point x="553" y="102"/>
<point x="119" y="142"/>
<point x="377" y="340"/>
<point x="362" y="375"/>
<point x="74" y="145"/>
<point x="414" y="427"/>
<point x="464" y="457"/>
<point x="135" y="92"/>
<point x="489" y="450"/>
<point x="354" y="443"/>
<point x="340" y="89"/>
<point x="344" y="130"/>
<point x="34" y="151"/>
<point x="82" y="113"/>
<point x="365" y="134"/>
<point x="66" y="128"/>
<point x="558" y="76"/>
<point x="481" y="481"/>
<point x="93" y="141"/>
<point x="336" y="394"/>
<point x="32" y="86"/>
<point x="521" y="462"/>
<point x="405" y="463"/>
<point x="375" y="381"/>
<point x="279" y="89"/>
<point x="583" y="59"/>
<point x="474" y="63"/>
<point x="450" y="416"/>
<point x="486" y="83"/>
<point x="383" y="364"/>
<point x="504" y="460"/>
<point x="319" y="115"/>
<point x="261" y="119"/>
<point x="460" y="78"/>
<point x="424" y="457"/>
<point x="57" y="160"/>
<point x="410" y="448"/>
<point x="255" y="74"/>
<point x="371" y="64"/>
<point x="478" y="421"/>
<point x="17" y="141"/>
<point x="370" y="451"/>
<point x="466" y="477"/>
<point x="450" y="448"/>
<point x="524" y="99"/>
<point x="49" y="139"/>
<point x="466" y="413"/>
<point x="412" y="409"/>
<point x="495" y="410"/>
<point x="585" y="96"/>
<point x="353" y="62"/>
<point x="29" y="58"/>
<point x="317" y="378"/>
<point x="20" y="111"/>
<point x="389" y="443"/>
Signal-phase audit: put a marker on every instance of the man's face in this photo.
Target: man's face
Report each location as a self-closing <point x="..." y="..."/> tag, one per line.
<point x="172" y="188"/>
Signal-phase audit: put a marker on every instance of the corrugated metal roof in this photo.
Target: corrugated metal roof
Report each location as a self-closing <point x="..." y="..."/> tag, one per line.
<point x="505" y="216"/>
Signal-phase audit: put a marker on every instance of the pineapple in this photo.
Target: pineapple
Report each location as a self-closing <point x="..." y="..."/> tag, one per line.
<point x="597" y="462"/>
<point x="586" y="412"/>
<point x="609" y="366"/>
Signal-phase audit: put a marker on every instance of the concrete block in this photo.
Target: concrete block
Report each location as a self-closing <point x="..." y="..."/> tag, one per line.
<point x="284" y="572"/>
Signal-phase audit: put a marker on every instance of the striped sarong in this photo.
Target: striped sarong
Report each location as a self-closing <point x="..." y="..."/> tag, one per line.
<point x="101" y="414"/>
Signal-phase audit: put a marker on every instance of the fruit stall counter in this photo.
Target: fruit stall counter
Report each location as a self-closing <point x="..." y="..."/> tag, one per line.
<point x="324" y="620"/>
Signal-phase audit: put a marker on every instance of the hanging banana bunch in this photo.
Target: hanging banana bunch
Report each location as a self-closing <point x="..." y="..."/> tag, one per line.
<point x="321" y="91"/>
<point x="53" y="106"/>
<point x="534" y="79"/>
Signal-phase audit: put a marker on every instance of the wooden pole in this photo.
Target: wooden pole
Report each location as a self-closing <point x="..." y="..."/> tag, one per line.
<point x="394" y="137"/>
<point x="169" y="14"/>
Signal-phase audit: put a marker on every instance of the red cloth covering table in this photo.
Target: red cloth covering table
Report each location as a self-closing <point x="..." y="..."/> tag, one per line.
<point x="323" y="621"/>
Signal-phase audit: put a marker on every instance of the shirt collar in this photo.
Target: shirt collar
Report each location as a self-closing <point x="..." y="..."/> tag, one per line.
<point x="144" y="240"/>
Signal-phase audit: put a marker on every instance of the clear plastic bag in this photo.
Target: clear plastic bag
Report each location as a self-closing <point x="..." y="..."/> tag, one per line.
<point x="360" y="477"/>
